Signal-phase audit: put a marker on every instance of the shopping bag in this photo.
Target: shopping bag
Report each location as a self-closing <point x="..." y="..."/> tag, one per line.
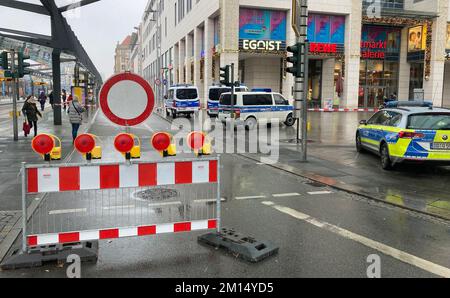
<point x="26" y="128"/>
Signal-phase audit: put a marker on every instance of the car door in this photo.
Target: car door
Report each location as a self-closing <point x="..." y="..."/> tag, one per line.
<point x="282" y="108"/>
<point x="266" y="105"/>
<point x="368" y="132"/>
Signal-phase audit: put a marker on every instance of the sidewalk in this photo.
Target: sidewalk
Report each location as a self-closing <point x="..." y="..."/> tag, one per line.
<point x="416" y="188"/>
<point x="12" y="154"/>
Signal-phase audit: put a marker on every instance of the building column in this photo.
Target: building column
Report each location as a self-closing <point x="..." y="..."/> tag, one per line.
<point x="176" y="63"/>
<point x="209" y="44"/>
<point x="229" y="34"/>
<point x="188" y="58"/>
<point x="56" y="70"/>
<point x="328" y="88"/>
<point x="405" y="68"/>
<point x="181" y="62"/>
<point x="197" y="50"/>
<point x="433" y="84"/>
<point x="352" y="55"/>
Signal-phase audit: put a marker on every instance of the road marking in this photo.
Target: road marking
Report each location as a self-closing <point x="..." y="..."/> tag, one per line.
<point x="285" y="195"/>
<point x="148" y="127"/>
<point x="119" y="207"/>
<point x="208" y="201"/>
<point x="383" y="248"/>
<point x="67" y="211"/>
<point x="250" y="198"/>
<point x="314" y="193"/>
<point x="164" y="204"/>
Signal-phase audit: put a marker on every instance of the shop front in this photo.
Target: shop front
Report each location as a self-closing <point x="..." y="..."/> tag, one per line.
<point x="326" y="34"/>
<point x="262" y="48"/>
<point x="380" y="64"/>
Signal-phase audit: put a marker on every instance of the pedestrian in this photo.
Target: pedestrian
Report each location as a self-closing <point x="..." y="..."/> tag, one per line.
<point x="51" y="99"/>
<point x="75" y="116"/>
<point x="64" y="98"/>
<point x="31" y="113"/>
<point x="69" y="100"/>
<point x="42" y="100"/>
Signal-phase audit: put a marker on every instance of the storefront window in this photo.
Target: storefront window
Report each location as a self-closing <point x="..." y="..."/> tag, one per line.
<point x="315" y="83"/>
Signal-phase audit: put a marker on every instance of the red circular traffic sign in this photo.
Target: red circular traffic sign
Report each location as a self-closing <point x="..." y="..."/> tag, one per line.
<point x="85" y="143"/>
<point x="43" y="144"/>
<point x="196" y="140"/>
<point x="161" y="141"/>
<point x="127" y="99"/>
<point x="124" y="143"/>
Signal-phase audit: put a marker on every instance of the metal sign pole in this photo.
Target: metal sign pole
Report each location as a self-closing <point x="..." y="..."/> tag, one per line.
<point x="15" y="95"/>
<point x="232" y="91"/>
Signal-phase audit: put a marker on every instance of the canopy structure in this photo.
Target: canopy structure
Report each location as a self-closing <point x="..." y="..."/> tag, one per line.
<point x="62" y="41"/>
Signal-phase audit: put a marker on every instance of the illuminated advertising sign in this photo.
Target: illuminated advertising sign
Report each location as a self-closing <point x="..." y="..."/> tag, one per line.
<point x="262" y="30"/>
<point x="417" y="39"/>
<point x="380" y="42"/>
<point x="330" y="48"/>
<point x="326" y="29"/>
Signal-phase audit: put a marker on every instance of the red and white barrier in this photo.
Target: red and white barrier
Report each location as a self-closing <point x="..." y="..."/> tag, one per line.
<point x="116" y="176"/>
<point x="117" y="233"/>
<point x="345" y="110"/>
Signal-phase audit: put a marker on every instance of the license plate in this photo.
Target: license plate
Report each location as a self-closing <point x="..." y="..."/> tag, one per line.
<point x="440" y="146"/>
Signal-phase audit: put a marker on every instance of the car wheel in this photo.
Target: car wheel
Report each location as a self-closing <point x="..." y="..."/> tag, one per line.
<point x="251" y="123"/>
<point x="290" y="120"/>
<point x="386" y="162"/>
<point x="359" y="146"/>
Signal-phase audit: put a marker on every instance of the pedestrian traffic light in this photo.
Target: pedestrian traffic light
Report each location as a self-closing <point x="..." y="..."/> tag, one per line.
<point x="225" y="76"/>
<point x="22" y="65"/>
<point x="4" y="60"/>
<point x="296" y="68"/>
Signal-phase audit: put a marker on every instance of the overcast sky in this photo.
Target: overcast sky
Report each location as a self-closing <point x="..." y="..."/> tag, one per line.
<point x="99" y="26"/>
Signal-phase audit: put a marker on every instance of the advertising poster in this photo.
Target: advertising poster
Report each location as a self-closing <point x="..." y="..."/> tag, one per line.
<point x="326" y="29"/>
<point x="416" y="39"/>
<point x="256" y="24"/>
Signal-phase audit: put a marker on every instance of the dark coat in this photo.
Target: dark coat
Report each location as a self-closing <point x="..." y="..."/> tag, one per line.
<point x="31" y="111"/>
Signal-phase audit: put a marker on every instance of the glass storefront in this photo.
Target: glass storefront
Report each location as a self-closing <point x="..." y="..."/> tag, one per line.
<point x="315" y="83"/>
<point x="379" y="69"/>
<point x="416" y="78"/>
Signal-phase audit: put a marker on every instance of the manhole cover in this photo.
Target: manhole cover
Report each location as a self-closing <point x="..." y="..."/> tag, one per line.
<point x="157" y="194"/>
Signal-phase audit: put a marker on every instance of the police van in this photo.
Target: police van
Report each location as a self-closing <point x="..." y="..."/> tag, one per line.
<point x="253" y="107"/>
<point x="214" y="93"/>
<point x="182" y="99"/>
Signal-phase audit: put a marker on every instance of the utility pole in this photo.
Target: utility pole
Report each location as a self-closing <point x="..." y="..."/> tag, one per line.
<point x="300" y="71"/>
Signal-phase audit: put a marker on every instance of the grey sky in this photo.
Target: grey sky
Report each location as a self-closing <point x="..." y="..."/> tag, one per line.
<point x="99" y="26"/>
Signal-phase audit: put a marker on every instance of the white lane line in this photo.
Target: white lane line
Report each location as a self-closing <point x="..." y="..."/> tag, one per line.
<point x="67" y="211"/>
<point x="383" y="248"/>
<point x="119" y="207"/>
<point x="250" y="198"/>
<point x="148" y="127"/>
<point x="165" y="204"/>
<point x="208" y="201"/>
<point x="285" y="195"/>
<point x="314" y="193"/>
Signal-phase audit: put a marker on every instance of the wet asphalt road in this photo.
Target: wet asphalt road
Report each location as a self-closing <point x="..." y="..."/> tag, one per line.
<point x="321" y="232"/>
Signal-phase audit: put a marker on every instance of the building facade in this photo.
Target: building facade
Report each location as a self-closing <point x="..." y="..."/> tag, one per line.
<point x="122" y="56"/>
<point x="360" y="54"/>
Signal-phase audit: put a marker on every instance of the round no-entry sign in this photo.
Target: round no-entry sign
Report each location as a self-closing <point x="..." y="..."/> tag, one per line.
<point x="127" y="99"/>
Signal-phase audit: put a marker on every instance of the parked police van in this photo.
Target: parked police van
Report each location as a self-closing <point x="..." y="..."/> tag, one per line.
<point x="253" y="107"/>
<point x="214" y="93"/>
<point x="182" y="99"/>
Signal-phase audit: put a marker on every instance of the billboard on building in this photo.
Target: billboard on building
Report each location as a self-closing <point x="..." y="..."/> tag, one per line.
<point x="417" y="40"/>
<point x="326" y="29"/>
<point x="380" y="42"/>
<point x="257" y="24"/>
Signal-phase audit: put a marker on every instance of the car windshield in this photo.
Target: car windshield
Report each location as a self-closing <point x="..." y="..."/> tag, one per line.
<point x="429" y="121"/>
<point x="187" y="94"/>
<point x="215" y="93"/>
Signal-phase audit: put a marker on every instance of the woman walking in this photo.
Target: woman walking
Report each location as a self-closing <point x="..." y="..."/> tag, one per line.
<point x="31" y="112"/>
<point x="75" y="116"/>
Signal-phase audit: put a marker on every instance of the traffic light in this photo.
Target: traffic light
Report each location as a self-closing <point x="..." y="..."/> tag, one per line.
<point x="225" y="76"/>
<point x="296" y="69"/>
<point x="22" y="65"/>
<point x="4" y="60"/>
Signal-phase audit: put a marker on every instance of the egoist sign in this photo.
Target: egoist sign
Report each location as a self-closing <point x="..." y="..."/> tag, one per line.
<point x="262" y="45"/>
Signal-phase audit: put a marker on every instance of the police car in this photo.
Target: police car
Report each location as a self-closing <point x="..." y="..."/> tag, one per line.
<point x="407" y="132"/>
<point x="182" y="99"/>
<point x="252" y="107"/>
<point x="214" y="93"/>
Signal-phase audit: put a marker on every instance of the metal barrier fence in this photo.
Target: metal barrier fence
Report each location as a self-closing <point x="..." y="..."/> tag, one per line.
<point x="89" y="202"/>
